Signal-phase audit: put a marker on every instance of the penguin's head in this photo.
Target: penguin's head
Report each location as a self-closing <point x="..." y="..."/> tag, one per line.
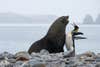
<point x="76" y="34"/>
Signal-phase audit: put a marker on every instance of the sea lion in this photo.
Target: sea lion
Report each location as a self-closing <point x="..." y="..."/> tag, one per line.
<point x="54" y="40"/>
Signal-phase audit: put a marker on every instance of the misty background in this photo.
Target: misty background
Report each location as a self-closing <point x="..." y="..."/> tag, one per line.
<point x="24" y="21"/>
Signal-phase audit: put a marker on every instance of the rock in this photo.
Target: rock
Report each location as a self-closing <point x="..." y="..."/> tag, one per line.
<point x="4" y="62"/>
<point x="48" y="57"/>
<point x="89" y="54"/>
<point x="71" y="62"/>
<point x="45" y="59"/>
<point x="51" y="60"/>
<point x="11" y="60"/>
<point x="39" y="65"/>
<point x="32" y="63"/>
<point x="89" y="60"/>
<point x="2" y="57"/>
<point x="44" y="52"/>
<point x="98" y="57"/>
<point x="36" y="57"/>
<point x="33" y="54"/>
<point x="97" y="65"/>
<point x="81" y="57"/>
<point x="70" y="53"/>
<point x="6" y="55"/>
<point x="22" y="56"/>
<point x="35" y="65"/>
<point x="18" y="64"/>
<point x="98" y="54"/>
<point x="56" y="64"/>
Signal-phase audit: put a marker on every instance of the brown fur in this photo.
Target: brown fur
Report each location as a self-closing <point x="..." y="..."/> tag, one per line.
<point x="54" y="39"/>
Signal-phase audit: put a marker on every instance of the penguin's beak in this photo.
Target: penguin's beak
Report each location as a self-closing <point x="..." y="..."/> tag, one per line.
<point x="78" y="35"/>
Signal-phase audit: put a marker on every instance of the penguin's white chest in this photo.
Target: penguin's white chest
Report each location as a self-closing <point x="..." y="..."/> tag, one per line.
<point x="69" y="41"/>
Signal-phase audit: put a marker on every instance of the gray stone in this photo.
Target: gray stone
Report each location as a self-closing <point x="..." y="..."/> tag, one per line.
<point x="22" y="56"/>
<point x="18" y="64"/>
<point x="4" y="62"/>
<point x="37" y="65"/>
<point x="98" y="54"/>
<point x="89" y="54"/>
<point x="33" y="63"/>
<point x="44" y="52"/>
<point x="42" y="59"/>
<point x="89" y="59"/>
<point x="11" y="60"/>
<point x="97" y="59"/>
<point x="6" y="55"/>
<point x="97" y="65"/>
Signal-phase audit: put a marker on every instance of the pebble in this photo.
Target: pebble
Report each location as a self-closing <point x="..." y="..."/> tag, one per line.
<point x="46" y="59"/>
<point x="44" y="52"/>
<point x="7" y="55"/>
<point x="22" y="56"/>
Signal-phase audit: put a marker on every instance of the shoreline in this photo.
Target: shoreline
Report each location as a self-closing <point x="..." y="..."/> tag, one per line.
<point x="45" y="59"/>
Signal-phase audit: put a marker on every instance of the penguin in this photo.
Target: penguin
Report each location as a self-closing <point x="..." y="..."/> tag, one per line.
<point x="70" y="40"/>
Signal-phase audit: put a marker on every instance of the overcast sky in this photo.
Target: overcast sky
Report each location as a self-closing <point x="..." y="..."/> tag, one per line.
<point x="76" y="9"/>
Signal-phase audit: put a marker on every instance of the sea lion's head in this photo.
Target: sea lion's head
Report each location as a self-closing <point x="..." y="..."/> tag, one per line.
<point x="62" y="20"/>
<point x="59" y="25"/>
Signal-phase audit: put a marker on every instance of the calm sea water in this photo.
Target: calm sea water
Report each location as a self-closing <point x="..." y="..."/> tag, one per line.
<point x="14" y="38"/>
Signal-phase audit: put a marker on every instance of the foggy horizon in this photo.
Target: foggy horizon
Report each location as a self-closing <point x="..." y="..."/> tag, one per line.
<point x="75" y="9"/>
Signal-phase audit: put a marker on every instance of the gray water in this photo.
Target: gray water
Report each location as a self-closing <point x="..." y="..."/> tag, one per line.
<point x="14" y="38"/>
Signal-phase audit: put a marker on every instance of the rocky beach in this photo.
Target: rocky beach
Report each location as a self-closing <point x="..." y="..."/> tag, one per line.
<point x="46" y="59"/>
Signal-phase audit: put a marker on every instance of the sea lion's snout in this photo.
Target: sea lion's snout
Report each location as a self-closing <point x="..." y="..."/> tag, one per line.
<point x="64" y="19"/>
<point x="67" y="17"/>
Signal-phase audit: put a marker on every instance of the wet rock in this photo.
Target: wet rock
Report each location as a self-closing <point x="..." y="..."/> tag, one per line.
<point x="89" y="60"/>
<point x="39" y="65"/>
<point x="89" y="54"/>
<point x="36" y="57"/>
<point x="45" y="59"/>
<point x="97" y="65"/>
<point x="98" y="57"/>
<point x="51" y="60"/>
<point x="70" y="53"/>
<point x="33" y="63"/>
<point x="18" y="63"/>
<point x="44" y="52"/>
<point x="4" y="62"/>
<point x="56" y="64"/>
<point x="5" y="55"/>
<point x="22" y="56"/>
<point x="12" y="60"/>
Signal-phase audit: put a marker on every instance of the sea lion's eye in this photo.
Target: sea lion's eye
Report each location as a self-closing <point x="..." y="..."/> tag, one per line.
<point x="63" y="20"/>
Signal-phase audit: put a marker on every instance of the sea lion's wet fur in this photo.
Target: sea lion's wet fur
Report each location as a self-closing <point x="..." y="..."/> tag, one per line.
<point x="54" y="39"/>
